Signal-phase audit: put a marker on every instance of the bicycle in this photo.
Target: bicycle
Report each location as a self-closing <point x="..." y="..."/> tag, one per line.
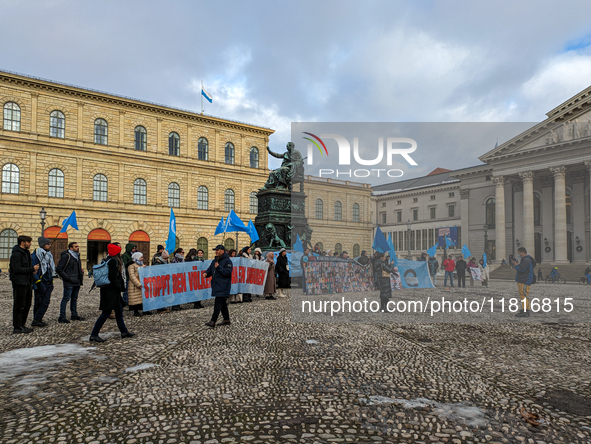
<point x="583" y="280"/>
<point x="559" y="279"/>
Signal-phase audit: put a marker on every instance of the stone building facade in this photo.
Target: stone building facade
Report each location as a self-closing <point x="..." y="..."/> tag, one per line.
<point x="121" y="164"/>
<point x="339" y="213"/>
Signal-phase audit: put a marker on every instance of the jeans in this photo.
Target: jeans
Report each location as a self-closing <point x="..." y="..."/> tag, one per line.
<point x="461" y="281"/>
<point x="434" y="279"/>
<point x="42" y="298"/>
<point x="449" y="274"/>
<point x="103" y="318"/>
<point x="588" y="276"/>
<point x="70" y="295"/>
<point x="221" y="304"/>
<point x="22" y="296"/>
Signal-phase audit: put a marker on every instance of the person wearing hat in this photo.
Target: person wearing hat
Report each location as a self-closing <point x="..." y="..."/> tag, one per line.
<point x="220" y="271"/>
<point x="111" y="296"/>
<point x="69" y="268"/>
<point x="42" y="280"/>
<point x="258" y="255"/>
<point x="282" y="269"/>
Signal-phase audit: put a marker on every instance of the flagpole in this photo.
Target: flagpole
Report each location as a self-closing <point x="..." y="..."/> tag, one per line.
<point x="202" y="97"/>
<point x="58" y="233"/>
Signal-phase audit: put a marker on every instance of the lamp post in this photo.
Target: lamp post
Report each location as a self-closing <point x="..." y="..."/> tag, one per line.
<point x="409" y="257"/>
<point x="486" y="240"/>
<point x="42" y="215"/>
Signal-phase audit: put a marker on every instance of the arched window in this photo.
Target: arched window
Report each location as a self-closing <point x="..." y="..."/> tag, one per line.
<point x="356" y="250"/>
<point x="141" y="138"/>
<point x="229" y="200"/>
<point x="356" y="213"/>
<point x="254" y="203"/>
<point x="320" y="246"/>
<point x="490" y="213"/>
<point x="338" y="211"/>
<point x="537" y="209"/>
<point x="56" y="183"/>
<point x="338" y="248"/>
<point x="203" y="245"/>
<point x="57" y="124"/>
<point x="229" y="159"/>
<point x="140" y="192"/>
<point x="101" y="131"/>
<point x="174" y="144"/>
<point x="319" y="209"/>
<point x="229" y="243"/>
<point x="174" y="195"/>
<point x="8" y="239"/>
<point x="202" y="198"/>
<point x="12" y="117"/>
<point x="202" y="149"/>
<point x="10" y="178"/>
<point x="569" y="208"/>
<point x="254" y="157"/>
<point x="100" y="188"/>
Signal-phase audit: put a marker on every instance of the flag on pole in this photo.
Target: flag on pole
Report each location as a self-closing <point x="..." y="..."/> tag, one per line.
<point x="433" y="250"/>
<point x="70" y="222"/>
<point x="234" y="223"/>
<point x="252" y="232"/>
<point x="465" y="252"/>
<point x="171" y="241"/>
<point x="379" y="242"/>
<point x="391" y="249"/>
<point x="205" y="94"/>
<point x="484" y="258"/>
<point x="220" y="228"/>
<point x="448" y="242"/>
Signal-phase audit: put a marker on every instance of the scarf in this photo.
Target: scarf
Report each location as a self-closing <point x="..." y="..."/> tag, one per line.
<point x="45" y="261"/>
<point x="179" y="258"/>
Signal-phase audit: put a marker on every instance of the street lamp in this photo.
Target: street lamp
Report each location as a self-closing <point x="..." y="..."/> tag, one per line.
<point x="517" y="242"/>
<point x="409" y="257"/>
<point x="42" y="215"/>
<point x="486" y="240"/>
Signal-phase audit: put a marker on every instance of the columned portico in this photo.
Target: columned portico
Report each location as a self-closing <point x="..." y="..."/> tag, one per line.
<point x="500" y="239"/>
<point x="560" y="235"/>
<point x="527" y="178"/>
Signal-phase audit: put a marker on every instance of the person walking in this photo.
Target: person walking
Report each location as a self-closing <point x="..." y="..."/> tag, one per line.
<point x="21" y="271"/>
<point x="449" y="265"/>
<point x="524" y="277"/>
<point x="270" y="282"/>
<point x="461" y="270"/>
<point x="69" y="268"/>
<point x="433" y="267"/>
<point x="134" y="289"/>
<point x="587" y="275"/>
<point x="282" y="268"/>
<point x="42" y="280"/>
<point x="111" y="299"/>
<point x="220" y="271"/>
<point x="484" y="272"/>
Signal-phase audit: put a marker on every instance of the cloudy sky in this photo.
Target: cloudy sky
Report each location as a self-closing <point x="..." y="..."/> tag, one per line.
<point x="276" y="62"/>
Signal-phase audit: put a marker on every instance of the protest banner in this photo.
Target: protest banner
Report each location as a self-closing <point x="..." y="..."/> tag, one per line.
<point x="414" y="274"/>
<point x="476" y="274"/>
<point x="181" y="283"/>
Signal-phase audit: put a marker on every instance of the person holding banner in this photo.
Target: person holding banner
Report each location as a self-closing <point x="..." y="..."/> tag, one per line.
<point x="471" y="266"/>
<point x="483" y="272"/>
<point x="220" y="271"/>
<point x="270" y="283"/>
<point x="111" y="296"/>
<point x="198" y="256"/>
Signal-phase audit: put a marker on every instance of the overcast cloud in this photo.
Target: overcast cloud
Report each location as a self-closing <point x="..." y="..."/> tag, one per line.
<point x="272" y="62"/>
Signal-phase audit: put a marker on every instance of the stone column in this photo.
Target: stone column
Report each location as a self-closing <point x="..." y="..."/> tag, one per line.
<point x="528" y="211"/>
<point x="465" y="218"/>
<point x="588" y="245"/>
<point x="578" y="214"/>
<point x="560" y="240"/>
<point x="547" y="218"/>
<point x="500" y="239"/>
<point x="80" y="125"/>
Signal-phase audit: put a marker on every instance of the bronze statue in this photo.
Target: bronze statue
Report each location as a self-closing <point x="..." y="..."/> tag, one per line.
<point x="292" y="168"/>
<point x="273" y="240"/>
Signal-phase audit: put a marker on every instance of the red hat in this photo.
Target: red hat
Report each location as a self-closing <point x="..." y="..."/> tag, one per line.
<point x="113" y="249"/>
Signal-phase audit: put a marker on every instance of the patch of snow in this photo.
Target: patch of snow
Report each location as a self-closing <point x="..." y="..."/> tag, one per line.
<point x="312" y="341"/>
<point x="106" y="335"/>
<point x="140" y="367"/>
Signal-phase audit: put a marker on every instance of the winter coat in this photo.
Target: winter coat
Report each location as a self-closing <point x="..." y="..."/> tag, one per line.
<point x="525" y="270"/>
<point x="134" y="291"/>
<point x="484" y="272"/>
<point x="157" y="259"/>
<point x="221" y="282"/>
<point x="282" y="271"/>
<point x="362" y="260"/>
<point x="126" y="257"/>
<point x="271" y="282"/>
<point x="461" y="267"/>
<point x="21" y="267"/>
<point x="38" y="277"/>
<point x="70" y="270"/>
<point x="111" y="294"/>
<point x="433" y="265"/>
<point x="449" y="264"/>
<point x="384" y="281"/>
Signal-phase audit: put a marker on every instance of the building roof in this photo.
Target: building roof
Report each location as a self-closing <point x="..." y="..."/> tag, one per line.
<point x="438" y="170"/>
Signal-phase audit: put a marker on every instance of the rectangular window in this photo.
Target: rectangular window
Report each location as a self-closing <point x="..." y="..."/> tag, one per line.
<point x="383" y="218"/>
<point x="383" y="204"/>
<point x="399" y="202"/>
<point x="452" y="194"/>
<point x="415" y="199"/>
<point x="432" y="196"/>
<point x="426" y="246"/>
<point x="432" y="212"/>
<point x="412" y="239"/>
<point x="415" y="214"/>
<point x="399" y="216"/>
<point x="431" y="237"/>
<point x="451" y="210"/>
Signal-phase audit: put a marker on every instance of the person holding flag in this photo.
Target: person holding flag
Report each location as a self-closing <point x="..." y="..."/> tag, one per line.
<point x="433" y="264"/>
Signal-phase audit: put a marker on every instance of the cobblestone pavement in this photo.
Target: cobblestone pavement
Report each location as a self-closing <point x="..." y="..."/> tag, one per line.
<point x="266" y="379"/>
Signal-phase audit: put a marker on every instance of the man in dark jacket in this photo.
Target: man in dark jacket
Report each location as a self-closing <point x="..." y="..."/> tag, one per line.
<point x="524" y="278"/>
<point x="43" y="280"/>
<point x="21" y="270"/>
<point x="363" y="259"/>
<point x="384" y="281"/>
<point x="221" y="283"/>
<point x="433" y="267"/>
<point x="461" y="269"/>
<point x="69" y="268"/>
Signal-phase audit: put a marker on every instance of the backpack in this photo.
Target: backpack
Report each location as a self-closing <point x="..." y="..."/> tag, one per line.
<point x="100" y="272"/>
<point x="533" y="266"/>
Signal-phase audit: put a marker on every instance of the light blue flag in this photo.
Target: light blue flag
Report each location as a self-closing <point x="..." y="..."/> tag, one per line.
<point x="298" y="246"/>
<point x="484" y="258"/>
<point x="234" y="223"/>
<point x="171" y="241"/>
<point x="448" y="242"/>
<point x="391" y="249"/>
<point x="465" y="252"/>
<point x="220" y="228"/>
<point x="379" y="242"/>
<point x="433" y="250"/>
<point x="70" y="222"/>
<point x="252" y="232"/>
